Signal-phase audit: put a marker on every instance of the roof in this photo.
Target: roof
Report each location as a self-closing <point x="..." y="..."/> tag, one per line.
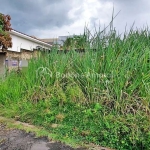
<point x="15" y="32"/>
<point x="49" y="40"/>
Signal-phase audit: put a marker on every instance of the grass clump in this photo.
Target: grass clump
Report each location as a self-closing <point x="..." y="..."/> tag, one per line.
<point x="100" y="96"/>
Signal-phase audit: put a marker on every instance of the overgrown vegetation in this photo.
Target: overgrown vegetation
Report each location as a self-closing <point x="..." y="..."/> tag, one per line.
<point x="5" y="27"/>
<point x="101" y="96"/>
<point x="76" y="42"/>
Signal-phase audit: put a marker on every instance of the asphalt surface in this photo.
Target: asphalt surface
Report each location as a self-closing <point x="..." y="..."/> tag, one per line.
<point x="14" y="139"/>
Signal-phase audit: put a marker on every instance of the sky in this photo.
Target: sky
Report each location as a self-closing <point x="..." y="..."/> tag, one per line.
<point x="53" y="18"/>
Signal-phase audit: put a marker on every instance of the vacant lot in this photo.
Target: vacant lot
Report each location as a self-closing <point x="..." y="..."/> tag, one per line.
<point x="101" y="96"/>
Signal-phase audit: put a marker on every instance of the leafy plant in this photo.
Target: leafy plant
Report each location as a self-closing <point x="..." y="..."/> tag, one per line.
<point x="5" y="27"/>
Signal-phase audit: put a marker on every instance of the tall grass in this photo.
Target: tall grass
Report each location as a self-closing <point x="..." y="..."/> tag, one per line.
<point x="100" y="96"/>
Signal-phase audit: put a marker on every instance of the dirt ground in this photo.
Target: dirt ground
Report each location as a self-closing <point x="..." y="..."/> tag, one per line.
<point x="15" y="139"/>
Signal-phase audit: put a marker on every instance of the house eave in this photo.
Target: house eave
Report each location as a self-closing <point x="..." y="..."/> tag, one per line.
<point x="13" y="32"/>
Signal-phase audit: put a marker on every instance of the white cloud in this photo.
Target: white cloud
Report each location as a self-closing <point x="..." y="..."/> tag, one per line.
<point x="51" y="18"/>
<point x="88" y="12"/>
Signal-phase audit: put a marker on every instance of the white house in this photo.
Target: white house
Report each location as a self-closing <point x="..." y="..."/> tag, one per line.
<point x="26" y="42"/>
<point x="23" y="48"/>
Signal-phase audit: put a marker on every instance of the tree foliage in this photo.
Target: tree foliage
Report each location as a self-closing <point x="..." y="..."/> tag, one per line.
<point x="5" y="27"/>
<point x="76" y="42"/>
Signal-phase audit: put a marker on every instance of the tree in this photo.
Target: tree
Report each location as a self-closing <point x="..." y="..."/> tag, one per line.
<point x="68" y="44"/>
<point x="5" y="27"/>
<point x="77" y="42"/>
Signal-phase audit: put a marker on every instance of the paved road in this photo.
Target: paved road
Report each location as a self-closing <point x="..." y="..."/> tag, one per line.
<point x="14" y="139"/>
<point x="20" y="140"/>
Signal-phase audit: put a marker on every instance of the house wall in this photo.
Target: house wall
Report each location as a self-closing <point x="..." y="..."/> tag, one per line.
<point x="15" y="60"/>
<point x="23" y="48"/>
<point x="24" y="54"/>
<point x="24" y="43"/>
